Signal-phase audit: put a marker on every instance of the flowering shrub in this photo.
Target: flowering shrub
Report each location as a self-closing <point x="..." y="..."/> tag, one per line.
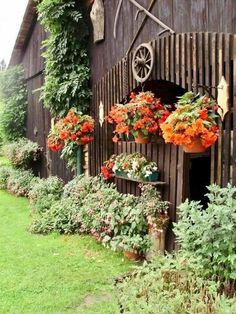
<point x="5" y="172"/>
<point x="194" y="117"/>
<point x="89" y="206"/>
<point x="20" y="182"/>
<point x="134" y="165"/>
<point x="45" y="193"/>
<point x="22" y="153"/>
<point x="142" y="115"/>
<point x="154" y="209"/>
<point x="73" y="130"/>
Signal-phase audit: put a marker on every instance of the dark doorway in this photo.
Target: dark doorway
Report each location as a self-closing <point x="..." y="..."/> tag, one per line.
<point x="199" y="178"/>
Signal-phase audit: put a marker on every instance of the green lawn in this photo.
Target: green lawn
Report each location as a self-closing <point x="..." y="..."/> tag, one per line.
<point x="52" y="274"/>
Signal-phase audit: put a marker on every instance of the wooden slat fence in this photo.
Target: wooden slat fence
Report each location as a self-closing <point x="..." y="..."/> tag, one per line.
<point x="189" y="60"/>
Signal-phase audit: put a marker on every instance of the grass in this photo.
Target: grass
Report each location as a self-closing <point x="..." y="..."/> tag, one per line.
<point x="52" y="274"/>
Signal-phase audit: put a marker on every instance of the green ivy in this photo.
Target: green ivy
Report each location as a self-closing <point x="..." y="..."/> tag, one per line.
<point x="13" y="99"/>
<point x="66" y="54"/>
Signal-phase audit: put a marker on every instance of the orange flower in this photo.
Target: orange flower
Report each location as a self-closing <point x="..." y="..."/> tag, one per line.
<point x="203" y="114"/>
<point x="64" y="135"/>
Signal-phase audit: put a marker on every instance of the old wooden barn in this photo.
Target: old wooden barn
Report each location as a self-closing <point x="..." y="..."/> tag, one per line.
<point x="192" y="50"/>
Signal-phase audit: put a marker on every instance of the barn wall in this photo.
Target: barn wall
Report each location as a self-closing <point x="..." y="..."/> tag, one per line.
<point x="38" y="118"/>
<point x="181" y="15"/>
<point x="189" y="60"/>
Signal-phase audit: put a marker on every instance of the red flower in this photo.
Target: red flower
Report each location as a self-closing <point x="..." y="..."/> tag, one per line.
<point x="203" y="114"/>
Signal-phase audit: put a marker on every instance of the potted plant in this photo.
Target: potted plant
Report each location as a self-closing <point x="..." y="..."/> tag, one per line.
<point x="141" y="117"/>
<point x="156" y="213"/>
<point x="69" y="133"/>
<point x="134" y="246"/>
<point x="193" y="124"/>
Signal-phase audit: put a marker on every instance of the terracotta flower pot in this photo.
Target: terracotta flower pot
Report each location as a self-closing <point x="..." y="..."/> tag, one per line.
<point x="131" y="255"/>
<point x="196" y="147"/>
<point x="141" y="139"/>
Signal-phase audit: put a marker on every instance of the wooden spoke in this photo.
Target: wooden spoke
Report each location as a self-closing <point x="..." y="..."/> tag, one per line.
<point x="142" y="63"/>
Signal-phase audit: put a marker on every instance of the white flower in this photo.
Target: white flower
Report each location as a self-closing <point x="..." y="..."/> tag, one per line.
<point x="147" y="173"/>
<point x="135" y="165"/>
<point x="114" y="168"/>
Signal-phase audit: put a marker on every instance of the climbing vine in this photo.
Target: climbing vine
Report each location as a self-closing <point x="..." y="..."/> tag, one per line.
<point x="66" y="55"/>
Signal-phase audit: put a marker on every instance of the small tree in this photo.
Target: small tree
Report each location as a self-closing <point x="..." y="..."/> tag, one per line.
<point x="13" y="100"/>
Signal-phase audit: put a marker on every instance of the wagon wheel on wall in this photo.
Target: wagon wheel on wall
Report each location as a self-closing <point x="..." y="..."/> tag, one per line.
<point x="142" y="63"/>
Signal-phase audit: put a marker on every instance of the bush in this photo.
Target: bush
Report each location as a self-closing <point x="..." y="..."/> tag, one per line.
<point x="60" y="218"/>
<point x="13" y="96"/>
<point x="21" y="182"/>
<point x="45" y="193"/>
<point x="210" y="233"/>
<point x="171" y="284"/>
<point x="22" y="153"/>
<point x="81" y="186"/>
<point x="97" y="208"/>
<point x="5" y="172"/>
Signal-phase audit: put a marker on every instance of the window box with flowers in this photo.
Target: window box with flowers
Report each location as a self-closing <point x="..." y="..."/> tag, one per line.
<point x="69" y="133"/>
<point x="193" y="124"/>
<point x="141" y="117"/>
<point x="133" y="166"/>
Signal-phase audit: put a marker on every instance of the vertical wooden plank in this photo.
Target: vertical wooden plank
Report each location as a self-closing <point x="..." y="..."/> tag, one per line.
<point x="227" y="122"/>
<point x="195" y="61"/>
<point x="178" y="59"/>
<point x="214" y="71"/>
<point x="189" y="60"/>
<point x="183" y="61"/>
<point x="167" y="57"/>
<point x="234" y="110"/>
<point x="162" y="56"/>
<point x="201" y="79"/>
<point x="220" y="139"/>
<point x="172" y="58"/>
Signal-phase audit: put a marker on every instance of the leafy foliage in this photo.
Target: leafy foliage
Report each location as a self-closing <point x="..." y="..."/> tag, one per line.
<point x="66" y="55"/>
<point x="45" y="193"/>
<point x="210" y="234"/>
<point x="20" y="182"/>
<point x="22" y="153"/>
<point x="171" y="284"/>
<point x="60" y="218"/>
<point x="13" y="96"/>
<point x="89" y="206"/>
<point x="5" y="172"/>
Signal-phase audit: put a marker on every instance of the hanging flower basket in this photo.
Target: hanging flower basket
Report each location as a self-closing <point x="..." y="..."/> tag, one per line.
<point x="193" y="124"/>
<point x="141" y="138"/>
<point x="141" y="117"/>
<point x="69" y="133"/>
<point x="195" y="147"/>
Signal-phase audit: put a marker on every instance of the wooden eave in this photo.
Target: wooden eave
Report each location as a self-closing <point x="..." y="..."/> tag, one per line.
<point x="24" y="33"/>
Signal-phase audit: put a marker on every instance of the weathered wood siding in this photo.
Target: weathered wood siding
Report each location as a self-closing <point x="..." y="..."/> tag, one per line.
<point x="38" y="118"/>
<point x="181" y="15"/>
<point x="189" y="60"/>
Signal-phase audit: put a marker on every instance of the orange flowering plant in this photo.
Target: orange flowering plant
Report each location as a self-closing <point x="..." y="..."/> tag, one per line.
<point x="142" y="116"/>
<point x="69" y="132"/>
<point x="193" y="121"/>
